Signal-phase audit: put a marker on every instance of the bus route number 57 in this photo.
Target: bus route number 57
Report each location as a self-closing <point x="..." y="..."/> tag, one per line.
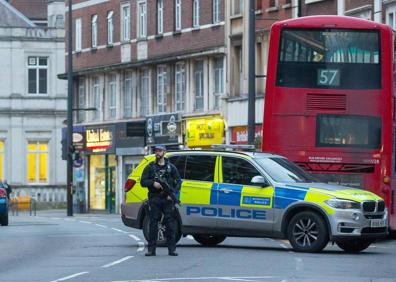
<point x="328" y="77"/>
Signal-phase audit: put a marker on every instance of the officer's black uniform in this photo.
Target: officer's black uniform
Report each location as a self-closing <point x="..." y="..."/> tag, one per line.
<point x="159" y="204"/>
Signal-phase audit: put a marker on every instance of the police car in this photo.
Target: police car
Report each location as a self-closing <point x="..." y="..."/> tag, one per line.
<point x="250" y="194"/>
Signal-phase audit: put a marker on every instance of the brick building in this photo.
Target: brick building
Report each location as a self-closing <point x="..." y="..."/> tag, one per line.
<point x="154" y="70"/>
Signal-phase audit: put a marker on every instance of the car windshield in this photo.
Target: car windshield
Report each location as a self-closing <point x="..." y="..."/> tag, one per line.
<point x="283" y="170"/>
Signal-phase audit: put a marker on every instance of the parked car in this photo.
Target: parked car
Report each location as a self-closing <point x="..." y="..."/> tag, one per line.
<point x="3" y="205"/>
<point x="254" y="194"/>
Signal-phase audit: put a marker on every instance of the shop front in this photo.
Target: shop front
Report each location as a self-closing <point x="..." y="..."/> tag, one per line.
<point x="164" y="129"/>
<point x="239" y="135"/>
<point x="102" y="164"/>
<point x="203" y="132"/>
<point x="130" y="149"/>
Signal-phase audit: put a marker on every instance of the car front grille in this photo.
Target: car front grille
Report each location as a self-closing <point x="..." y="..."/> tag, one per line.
<point x="369" y="206"/>
<point x="381" y="206"/>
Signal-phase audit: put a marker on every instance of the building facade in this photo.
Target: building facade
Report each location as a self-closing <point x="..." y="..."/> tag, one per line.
<point x="154" y="70"/>
<point x="32" y="105"/>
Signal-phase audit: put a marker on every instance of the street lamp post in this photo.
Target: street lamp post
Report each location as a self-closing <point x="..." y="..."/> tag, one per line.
<point x="69" y="114"/>
<point x="252" y="73"/>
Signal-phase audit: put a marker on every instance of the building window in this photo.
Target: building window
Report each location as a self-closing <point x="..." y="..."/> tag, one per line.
<point x="78" y="37"/>
<point x="96" y="98"/>
<point x="180" y="79"/>
<point x="160" y="16"/>
<point x="196" y="13"/>
<point x="128" y="94"/>
<point x="238" y="7"/>
<point x="218" y="81"/>
<point x="94" y="31"/>
<point x="37" y="75"/>
<point x="37" y="162"/>
<point x="110" y="27"/>
<point x="142" y="19"/>
<point x="113" y="95"/>
<point x="1" y="159"/>
<point x="259" y="4"/>
<point x="126" y="23"/>
<point x="81" y="100"/>
<point x="199" y="96"/>
<point x="273" y="3"/>
<point x="178" y="25"/>
<point x="391" y="20"/>
<point x="216" y="11"/>
<point x="144" y="93"/>
<point x="161" y="89"/>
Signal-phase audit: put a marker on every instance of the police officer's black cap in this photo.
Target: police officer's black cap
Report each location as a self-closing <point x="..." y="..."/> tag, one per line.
<point x="160" y="147"/>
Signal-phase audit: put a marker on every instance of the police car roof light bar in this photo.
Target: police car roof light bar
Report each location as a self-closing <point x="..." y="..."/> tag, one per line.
<point x="228" y="147"/>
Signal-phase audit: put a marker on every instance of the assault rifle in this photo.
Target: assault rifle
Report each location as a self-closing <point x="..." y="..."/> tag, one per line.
<point x="166" y="189"/>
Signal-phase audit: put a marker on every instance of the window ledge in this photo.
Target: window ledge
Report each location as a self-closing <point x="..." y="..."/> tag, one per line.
<point x="259" y="12"/>
<point x="236" y="16"/>
<point x="125" y="42"/>
<point x="217" y="24"/>
<point x="110" y="45"/>
<point x="195" y="29"/>
<point x="272" y="9"/>
<point x="286" y="6"/>
<point x="159" y="36"/>
<point x="177" y="32"/>
<point x="94" y="49"/>
<point x="78" y="51"/>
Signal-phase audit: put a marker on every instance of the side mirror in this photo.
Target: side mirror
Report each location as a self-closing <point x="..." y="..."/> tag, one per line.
<point x="259" y="181"/>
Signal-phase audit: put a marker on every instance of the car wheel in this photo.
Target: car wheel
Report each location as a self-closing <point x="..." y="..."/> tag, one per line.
<point x="161" y="239"/>
<point x="307" y="232"/>
<point x="209" y="240"/>
<point x="354" y="245"/>
<point x="4" y="221"/>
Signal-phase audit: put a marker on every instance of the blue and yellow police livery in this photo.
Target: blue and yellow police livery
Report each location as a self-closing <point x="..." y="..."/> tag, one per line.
<point x="260" y="195"/>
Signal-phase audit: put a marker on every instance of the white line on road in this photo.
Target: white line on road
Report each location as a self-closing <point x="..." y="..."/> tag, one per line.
<point x="141" y="246"/>
<point x="70" y="276"/>
<point x="134" y="237"/>
<point x="299" y="264"/>
<point x="117" y="261"/>
<point x="190" y="237"/>
<point x="56" y="218"/>
<point x="119" y="230"/>
<point x="69" y="219"/>
<point x="83" y="221"/>
<point x="210" y="278"/>
<point x="100" y="225"/>
<point x="236" y="279"/>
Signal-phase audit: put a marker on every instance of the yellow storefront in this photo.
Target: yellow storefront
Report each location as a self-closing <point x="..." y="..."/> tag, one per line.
<point x="203" y="132"/>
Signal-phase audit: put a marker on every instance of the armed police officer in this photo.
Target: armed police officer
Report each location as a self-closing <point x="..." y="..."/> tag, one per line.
<point x="163" y="182"/>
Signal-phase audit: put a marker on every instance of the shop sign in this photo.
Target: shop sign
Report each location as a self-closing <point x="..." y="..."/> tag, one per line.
<point x="239" y="134"/>
<point x="163" y="129"/>
<point x="130" y="138"/>
<point x="203" y="132"/>
<point x="100" y="139"/>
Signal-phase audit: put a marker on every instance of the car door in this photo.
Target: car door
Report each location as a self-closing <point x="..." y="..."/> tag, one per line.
<point x="243" y="205"/>
<point x="196" y="192"/>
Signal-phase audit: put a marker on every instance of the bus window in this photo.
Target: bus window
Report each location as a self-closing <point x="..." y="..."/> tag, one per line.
<point x="348" y="131"/>
<point x="329" y="58"/>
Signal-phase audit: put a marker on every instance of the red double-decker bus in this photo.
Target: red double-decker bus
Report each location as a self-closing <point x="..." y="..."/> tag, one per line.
<point x="329" y="103"/>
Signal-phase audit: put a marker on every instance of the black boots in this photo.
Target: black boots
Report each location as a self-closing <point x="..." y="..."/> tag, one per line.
<point x="172" y="253"/>
<point x="150" y="253"/>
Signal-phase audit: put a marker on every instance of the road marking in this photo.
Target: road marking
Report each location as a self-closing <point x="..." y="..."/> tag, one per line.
<point x="190" y="237"/>
<point x="69" y="219"/>
<point x="100" y="225"/>
<point x="70" y="276"/>
<point x="83" y="221"/>
<point x="235" y="279"/>
<point x="299" y="264"/>
<point x="141" y="246"/>
<point x="136" y="238"/>
<point x="257" y="278"/>
<point x="56" y="218"/>
<point x="119" y="230"/>
<point x="117" y="261"/>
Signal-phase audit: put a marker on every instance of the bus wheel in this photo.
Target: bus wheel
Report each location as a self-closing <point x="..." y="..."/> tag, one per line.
<point x="209" y="240"/>
<point x="161" y="239"/>
<point x="354" y="245"/>
<point x="307" y="232"/>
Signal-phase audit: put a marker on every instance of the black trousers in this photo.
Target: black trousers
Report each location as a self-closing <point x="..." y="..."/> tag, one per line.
<point x="158" y="206"/>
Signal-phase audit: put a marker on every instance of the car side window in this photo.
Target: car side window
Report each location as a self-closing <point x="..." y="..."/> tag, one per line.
<point x="238" y="171"/>
<point x="180" y="163"/>
<point x="200" y="168"/>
